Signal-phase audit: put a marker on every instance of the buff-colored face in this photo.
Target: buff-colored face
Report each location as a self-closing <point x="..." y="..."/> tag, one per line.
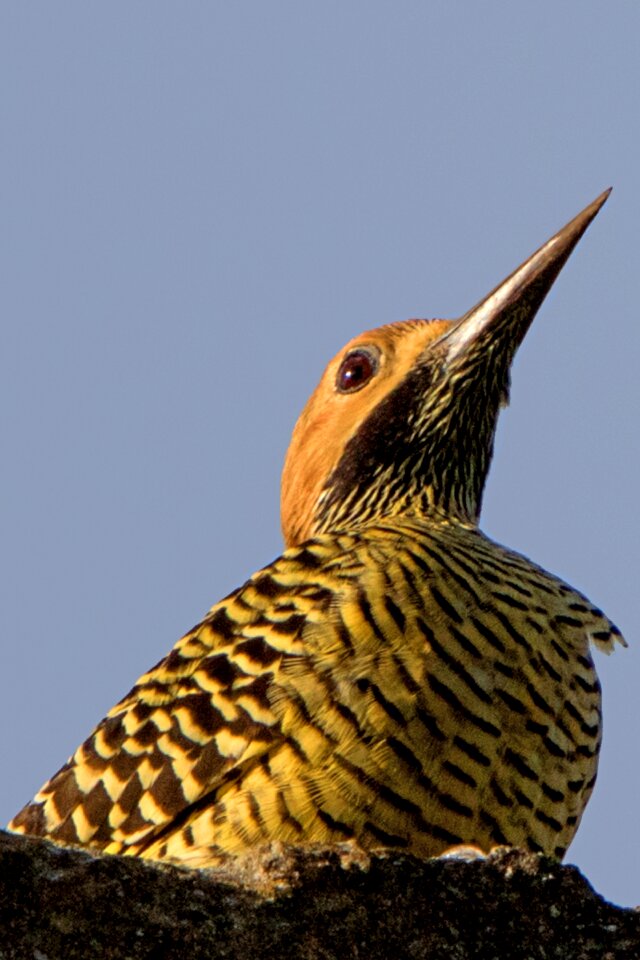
<point x="358" y="378"/>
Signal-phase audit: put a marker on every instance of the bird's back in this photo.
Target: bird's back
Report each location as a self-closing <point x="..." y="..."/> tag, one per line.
<point x="412" y="685"/>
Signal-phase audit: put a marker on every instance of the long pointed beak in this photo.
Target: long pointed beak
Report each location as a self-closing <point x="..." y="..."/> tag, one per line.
<point x="503" y="317"/>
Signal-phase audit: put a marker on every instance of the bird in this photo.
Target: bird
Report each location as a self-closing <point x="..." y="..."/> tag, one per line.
<point x="395" y="679"/>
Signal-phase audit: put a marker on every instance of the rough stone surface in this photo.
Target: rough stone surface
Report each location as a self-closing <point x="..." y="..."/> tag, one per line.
<point x="283" y="902"/>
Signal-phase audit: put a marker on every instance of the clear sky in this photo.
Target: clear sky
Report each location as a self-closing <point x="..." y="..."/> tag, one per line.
<point x="201" y="202"/>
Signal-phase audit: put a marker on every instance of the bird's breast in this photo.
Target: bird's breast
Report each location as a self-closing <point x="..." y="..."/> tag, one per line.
<point x="449" y="697"/>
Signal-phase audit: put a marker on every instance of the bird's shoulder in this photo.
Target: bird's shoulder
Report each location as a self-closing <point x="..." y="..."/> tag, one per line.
<point x="204" y="710"/>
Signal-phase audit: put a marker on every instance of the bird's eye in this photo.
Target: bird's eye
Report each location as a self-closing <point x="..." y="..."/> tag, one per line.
<point x="356" y="370"/>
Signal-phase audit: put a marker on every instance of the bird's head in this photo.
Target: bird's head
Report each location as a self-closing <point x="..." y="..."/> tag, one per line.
<point x="403" y="419"/>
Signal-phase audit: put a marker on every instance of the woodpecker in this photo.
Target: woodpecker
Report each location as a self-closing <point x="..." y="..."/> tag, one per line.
<point x="395" y="678"/>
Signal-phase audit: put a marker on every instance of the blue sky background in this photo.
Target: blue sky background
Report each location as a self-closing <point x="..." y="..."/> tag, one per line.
<point x="201" y="202"/>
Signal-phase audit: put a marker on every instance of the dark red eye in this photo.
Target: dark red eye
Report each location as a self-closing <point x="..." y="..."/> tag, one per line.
<point x="356" y="369"/>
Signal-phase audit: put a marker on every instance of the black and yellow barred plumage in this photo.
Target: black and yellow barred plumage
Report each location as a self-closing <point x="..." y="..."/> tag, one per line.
<point x="395" y="677"/>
